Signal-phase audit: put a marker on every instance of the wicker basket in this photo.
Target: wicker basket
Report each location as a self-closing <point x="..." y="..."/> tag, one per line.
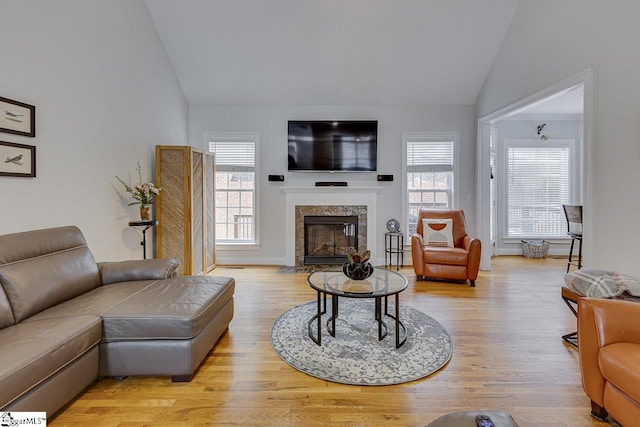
<point x="535" y="248"/>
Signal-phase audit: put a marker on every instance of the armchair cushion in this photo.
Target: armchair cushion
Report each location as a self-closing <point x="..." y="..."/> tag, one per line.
<point x="438" y="231"/>
<point x="447" y="256"/>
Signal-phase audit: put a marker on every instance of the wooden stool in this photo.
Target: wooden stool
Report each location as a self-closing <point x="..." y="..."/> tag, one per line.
<point x="571" y="299"/>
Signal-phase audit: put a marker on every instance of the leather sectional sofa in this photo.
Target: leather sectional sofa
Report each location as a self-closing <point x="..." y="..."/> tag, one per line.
<point x="66" y="320"/>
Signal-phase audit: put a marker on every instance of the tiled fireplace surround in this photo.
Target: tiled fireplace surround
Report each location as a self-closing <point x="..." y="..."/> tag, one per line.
<point x="301" y="201"/>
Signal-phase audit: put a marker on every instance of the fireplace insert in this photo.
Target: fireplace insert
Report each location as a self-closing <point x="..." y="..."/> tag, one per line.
<point x="327" y="238"/>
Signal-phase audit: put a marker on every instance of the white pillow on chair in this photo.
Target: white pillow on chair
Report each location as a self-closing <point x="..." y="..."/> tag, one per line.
<point x="437" y="232"/>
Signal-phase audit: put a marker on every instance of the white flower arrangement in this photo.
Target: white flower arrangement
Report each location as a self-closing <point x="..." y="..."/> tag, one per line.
<point x="144" y="192"/>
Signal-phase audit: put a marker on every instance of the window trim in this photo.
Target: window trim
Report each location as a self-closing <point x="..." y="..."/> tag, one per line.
<point x="240" y="137"/>
<point x="433" y="136"/>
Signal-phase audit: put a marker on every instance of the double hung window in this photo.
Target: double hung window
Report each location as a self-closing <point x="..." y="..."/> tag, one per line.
<point x="430" y="169"/>
<point x="235" y="181"/>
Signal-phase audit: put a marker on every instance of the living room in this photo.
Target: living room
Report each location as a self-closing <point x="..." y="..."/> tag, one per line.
<point x="106" y="93"/>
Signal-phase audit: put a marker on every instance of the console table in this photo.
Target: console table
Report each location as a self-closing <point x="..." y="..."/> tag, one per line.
<point x="145" y="226"/>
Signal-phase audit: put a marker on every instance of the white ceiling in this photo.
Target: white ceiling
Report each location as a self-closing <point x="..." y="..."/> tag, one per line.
<point x="568" y="102"/>
<point x="357" y="52"/>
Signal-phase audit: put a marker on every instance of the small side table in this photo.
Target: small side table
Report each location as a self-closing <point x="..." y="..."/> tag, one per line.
<point x="145" y="226"/>
<point x="394" y="244"/>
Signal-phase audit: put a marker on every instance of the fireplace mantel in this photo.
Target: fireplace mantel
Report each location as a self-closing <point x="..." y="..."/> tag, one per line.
<point x="334" y="190"/>
<point x="330" y="196"/>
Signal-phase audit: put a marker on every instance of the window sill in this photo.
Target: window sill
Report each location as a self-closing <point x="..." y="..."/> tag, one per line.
<point x="519" y="240"/>
<point x="238" y="246"/>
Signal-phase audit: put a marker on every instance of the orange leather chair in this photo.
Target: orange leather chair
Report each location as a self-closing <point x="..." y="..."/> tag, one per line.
<point x="609" y="337"/>
<point x="461" y="262"/>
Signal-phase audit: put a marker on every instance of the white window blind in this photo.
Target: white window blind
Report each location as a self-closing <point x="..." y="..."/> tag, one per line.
<point x="231" y="155"/>
<point x="538" y="184"/>
<point x="429" y="156"/>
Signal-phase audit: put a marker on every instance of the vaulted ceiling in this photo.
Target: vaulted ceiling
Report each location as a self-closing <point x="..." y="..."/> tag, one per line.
<point x="358" y="52"/>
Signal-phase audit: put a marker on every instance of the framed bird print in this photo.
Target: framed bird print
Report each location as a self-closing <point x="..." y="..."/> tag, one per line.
<point x="17" y="160"/>
<point x="17" y="117"/>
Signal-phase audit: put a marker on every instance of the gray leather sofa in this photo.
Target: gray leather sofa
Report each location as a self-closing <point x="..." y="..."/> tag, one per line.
<point x="66" y="320"/>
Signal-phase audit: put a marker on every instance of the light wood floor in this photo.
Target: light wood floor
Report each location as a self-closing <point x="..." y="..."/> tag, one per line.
<point x="508" y="355"/>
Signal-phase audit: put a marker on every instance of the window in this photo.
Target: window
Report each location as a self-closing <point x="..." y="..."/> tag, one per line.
<point x="235" y="180"/>
<point x="538" y="184"/>
<point x="430" y="165"/>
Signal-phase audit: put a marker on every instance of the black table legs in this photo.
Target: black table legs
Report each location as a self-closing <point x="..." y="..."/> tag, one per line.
<point x="321" y="308"/>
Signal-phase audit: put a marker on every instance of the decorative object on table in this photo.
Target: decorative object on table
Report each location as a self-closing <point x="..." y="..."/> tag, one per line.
<point x="17" y="117"/>
<point x="355" y="355"/>
<point x="17" y="160"/>
<point x="144" y="192"/>
<point x="357" y="267"/>
<point x="393" y="226"/>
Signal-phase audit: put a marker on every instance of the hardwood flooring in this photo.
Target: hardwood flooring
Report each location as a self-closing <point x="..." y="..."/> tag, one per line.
<point x="508" y="355"/>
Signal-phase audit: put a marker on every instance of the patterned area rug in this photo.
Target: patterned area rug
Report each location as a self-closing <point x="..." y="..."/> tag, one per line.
<point x="355" y="356"/>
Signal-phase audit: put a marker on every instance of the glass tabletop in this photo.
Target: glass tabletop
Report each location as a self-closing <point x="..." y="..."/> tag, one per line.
<point x="381" y="283"/>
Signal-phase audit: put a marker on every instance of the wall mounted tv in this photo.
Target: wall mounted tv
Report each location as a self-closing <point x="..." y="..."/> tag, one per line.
<point x="333" y="146"/>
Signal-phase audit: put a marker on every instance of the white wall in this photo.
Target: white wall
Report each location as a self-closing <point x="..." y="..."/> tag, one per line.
<point x="105" y="94"/>
<point x="271" y="123"/>
<point x="550" y="41"/>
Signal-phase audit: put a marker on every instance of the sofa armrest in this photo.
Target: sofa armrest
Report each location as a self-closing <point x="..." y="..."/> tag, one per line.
<point x="417" y="254"/>
<point x="474" y="250"/>
<point x="602" y="322"/>
<point x="144" y="269"/>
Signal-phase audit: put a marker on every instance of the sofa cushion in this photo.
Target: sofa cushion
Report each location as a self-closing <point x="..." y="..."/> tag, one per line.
<point x="41" y="268"/>
<point x="94" y="302"/>
<point x="34" y="351"/>
<point x="619" y="365"/>
<point x="443" y="255"/>
<point x="6" y="314"/>
<point x="176" y="308"/>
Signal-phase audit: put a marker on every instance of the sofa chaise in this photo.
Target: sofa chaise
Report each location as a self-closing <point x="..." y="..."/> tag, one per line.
<point x="66" y="320"/>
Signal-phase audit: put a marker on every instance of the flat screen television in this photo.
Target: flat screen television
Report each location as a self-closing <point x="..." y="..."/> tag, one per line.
<point x="333" y="146"/>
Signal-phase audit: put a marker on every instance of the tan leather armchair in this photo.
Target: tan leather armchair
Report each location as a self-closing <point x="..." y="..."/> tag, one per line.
<point x="460" y="262"/>
<point x="609" y="337"/>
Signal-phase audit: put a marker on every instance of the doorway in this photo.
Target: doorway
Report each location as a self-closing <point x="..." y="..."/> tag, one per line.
<point x="571" y="97"/>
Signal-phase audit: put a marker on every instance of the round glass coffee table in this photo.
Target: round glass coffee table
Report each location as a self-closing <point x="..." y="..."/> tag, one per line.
<point x="381" y="284"/>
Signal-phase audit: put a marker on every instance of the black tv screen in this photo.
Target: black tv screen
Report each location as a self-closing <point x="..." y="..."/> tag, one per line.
<point x="341" y="146"/>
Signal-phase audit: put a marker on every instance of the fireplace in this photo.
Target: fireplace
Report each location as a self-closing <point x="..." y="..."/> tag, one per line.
<point x="327" y="238"/>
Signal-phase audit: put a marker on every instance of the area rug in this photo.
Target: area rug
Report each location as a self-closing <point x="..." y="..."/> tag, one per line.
<point x="355" y="355"/>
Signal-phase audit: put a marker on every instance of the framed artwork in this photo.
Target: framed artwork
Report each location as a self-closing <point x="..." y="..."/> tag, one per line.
<point x="17" y="117"/>
<point x="17" y="159"/>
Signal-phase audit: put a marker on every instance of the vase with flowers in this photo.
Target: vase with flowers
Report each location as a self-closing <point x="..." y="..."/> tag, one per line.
<point x="144" y="194"/>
